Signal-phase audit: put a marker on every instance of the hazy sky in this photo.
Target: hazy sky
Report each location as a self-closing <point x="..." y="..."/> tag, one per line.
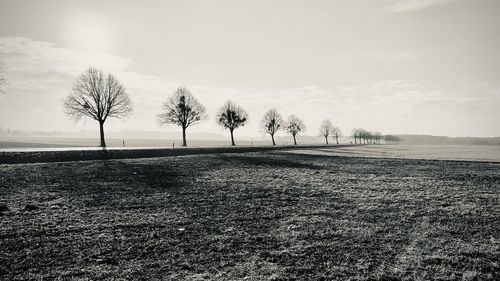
<point x="397" y="66"/>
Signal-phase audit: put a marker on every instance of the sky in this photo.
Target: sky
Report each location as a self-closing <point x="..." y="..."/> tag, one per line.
<point x="394" y="66"/>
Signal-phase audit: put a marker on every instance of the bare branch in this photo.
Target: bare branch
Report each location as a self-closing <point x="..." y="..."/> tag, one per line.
<point x="272" y="122"/>
<point x="326" y="128"/>
<point x="231" y="116"/>
<point x="182" y="109"/>
<point x="97" y="96"/>
<point x="295" y="125"/>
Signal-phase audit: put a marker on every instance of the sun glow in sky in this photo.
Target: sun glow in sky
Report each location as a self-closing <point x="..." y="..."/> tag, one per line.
<point x="89" y="32"/>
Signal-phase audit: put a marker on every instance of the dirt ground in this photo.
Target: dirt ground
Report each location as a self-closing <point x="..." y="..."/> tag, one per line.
<point x="252" y="216"/>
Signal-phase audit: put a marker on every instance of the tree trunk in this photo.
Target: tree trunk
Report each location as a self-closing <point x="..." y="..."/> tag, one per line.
<point x="232" y="138"/>
<point x="294" y="140"/>
<point x="355" y="140"/>
<point x="272" y="137"/>
<point x="101" y="134"/>
<point x="326" y="139"/>
<point x="184" y="143"/>
<point x="337" y="140"/>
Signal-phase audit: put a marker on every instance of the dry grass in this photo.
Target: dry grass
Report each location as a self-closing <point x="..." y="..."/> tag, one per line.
<point x="254" y="216"/>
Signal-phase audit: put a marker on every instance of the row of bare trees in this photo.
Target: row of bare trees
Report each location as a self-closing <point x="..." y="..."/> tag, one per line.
<point x="327" y="129"/>
<point x="184" y="110"/>
<point x="366" y="137"/>
<point x="100" y="96"/>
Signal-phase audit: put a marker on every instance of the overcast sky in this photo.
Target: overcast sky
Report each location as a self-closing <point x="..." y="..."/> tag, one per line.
<point x="397" y="66"/>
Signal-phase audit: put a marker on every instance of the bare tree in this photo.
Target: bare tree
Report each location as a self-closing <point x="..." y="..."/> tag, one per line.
<point x="355" y="134"/>
<point x="294" y="126"/>
<point x="377" y="136"/>
<point x="2" y="79"/>
<point x="363" y="135"/>
<point x="231" y="116"/>
<point x="99" y="97"/>
<point x="337" y="133"/>
<point x="272" y="122"/>
<point x="182" y="109"/>
<point x="326" y="129"/>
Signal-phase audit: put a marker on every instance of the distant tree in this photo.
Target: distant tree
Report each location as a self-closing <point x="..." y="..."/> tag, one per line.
<point x="182" y="109"/>
<point x="391" y="139"/>
<point x="377" y="136"/>
<point x="337" y="133"/>
<point x="326" y="129"/>
<point x="294" y="126"/>
<point x="355" y="134"/>
<point x="2" y="79"/>
<point x="363" y="135"/>
<point x="99" y="97"/>
<point x="272" y="122"/>
<point x="231" y="116"/>
<point x="369" y="137"/>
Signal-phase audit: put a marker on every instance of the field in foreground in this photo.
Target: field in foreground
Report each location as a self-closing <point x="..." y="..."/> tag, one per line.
<point x="258" y="216"/>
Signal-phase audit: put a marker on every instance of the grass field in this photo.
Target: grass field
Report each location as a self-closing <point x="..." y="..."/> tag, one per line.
<point x="253" y="216"/>
<point x="433" y="152"/>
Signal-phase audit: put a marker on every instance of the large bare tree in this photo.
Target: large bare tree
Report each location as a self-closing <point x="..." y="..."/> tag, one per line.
<point x="337" y="133"/>
<point x="326" y="129"/>
<point x="294" y="126"/>
<point x="231" y="116"/>
<point x="98" y="96"/>
<point x="182" y="109"/>
<point x="272" y="122"/>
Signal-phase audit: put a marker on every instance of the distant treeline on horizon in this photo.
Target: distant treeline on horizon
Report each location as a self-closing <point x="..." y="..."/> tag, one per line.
<point x="132" y="134"/>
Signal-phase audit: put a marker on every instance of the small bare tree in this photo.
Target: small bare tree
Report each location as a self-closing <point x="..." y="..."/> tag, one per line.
<point x="337" y="133"/>
<point x="294" y="126"/>
<point x="231" y="116"/>
<point x="363" y="135"/>
<point x="326" y="129"/>
<point x="182" y="109"/>
<point x="355" y="134"/>
<point x="377" y="136"/>
<point x="99" y="97"/>
<point x="272" y="122"/>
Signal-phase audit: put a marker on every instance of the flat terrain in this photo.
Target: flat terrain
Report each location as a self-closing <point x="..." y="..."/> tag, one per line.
<point x="28" y="143"/>
<point x="489" y="153"/>
<point x="253" y="216"/>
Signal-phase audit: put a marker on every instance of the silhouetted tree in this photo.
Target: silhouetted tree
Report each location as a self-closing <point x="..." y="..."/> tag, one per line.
<point x="231" y="116"/>
<point x="182" y="109"/>
<point x="272" y="122"/>
<point x="337" y="133"/>
<point x="294" y="126"/>
<point x="326" y="129"/>
<point x="99" y="97"/>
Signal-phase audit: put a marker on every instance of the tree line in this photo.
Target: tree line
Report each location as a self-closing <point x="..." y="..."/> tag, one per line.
<point x="100" y="96"/>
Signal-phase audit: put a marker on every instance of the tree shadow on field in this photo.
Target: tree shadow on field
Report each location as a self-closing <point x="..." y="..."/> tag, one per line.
<point x="106" y="183"/>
